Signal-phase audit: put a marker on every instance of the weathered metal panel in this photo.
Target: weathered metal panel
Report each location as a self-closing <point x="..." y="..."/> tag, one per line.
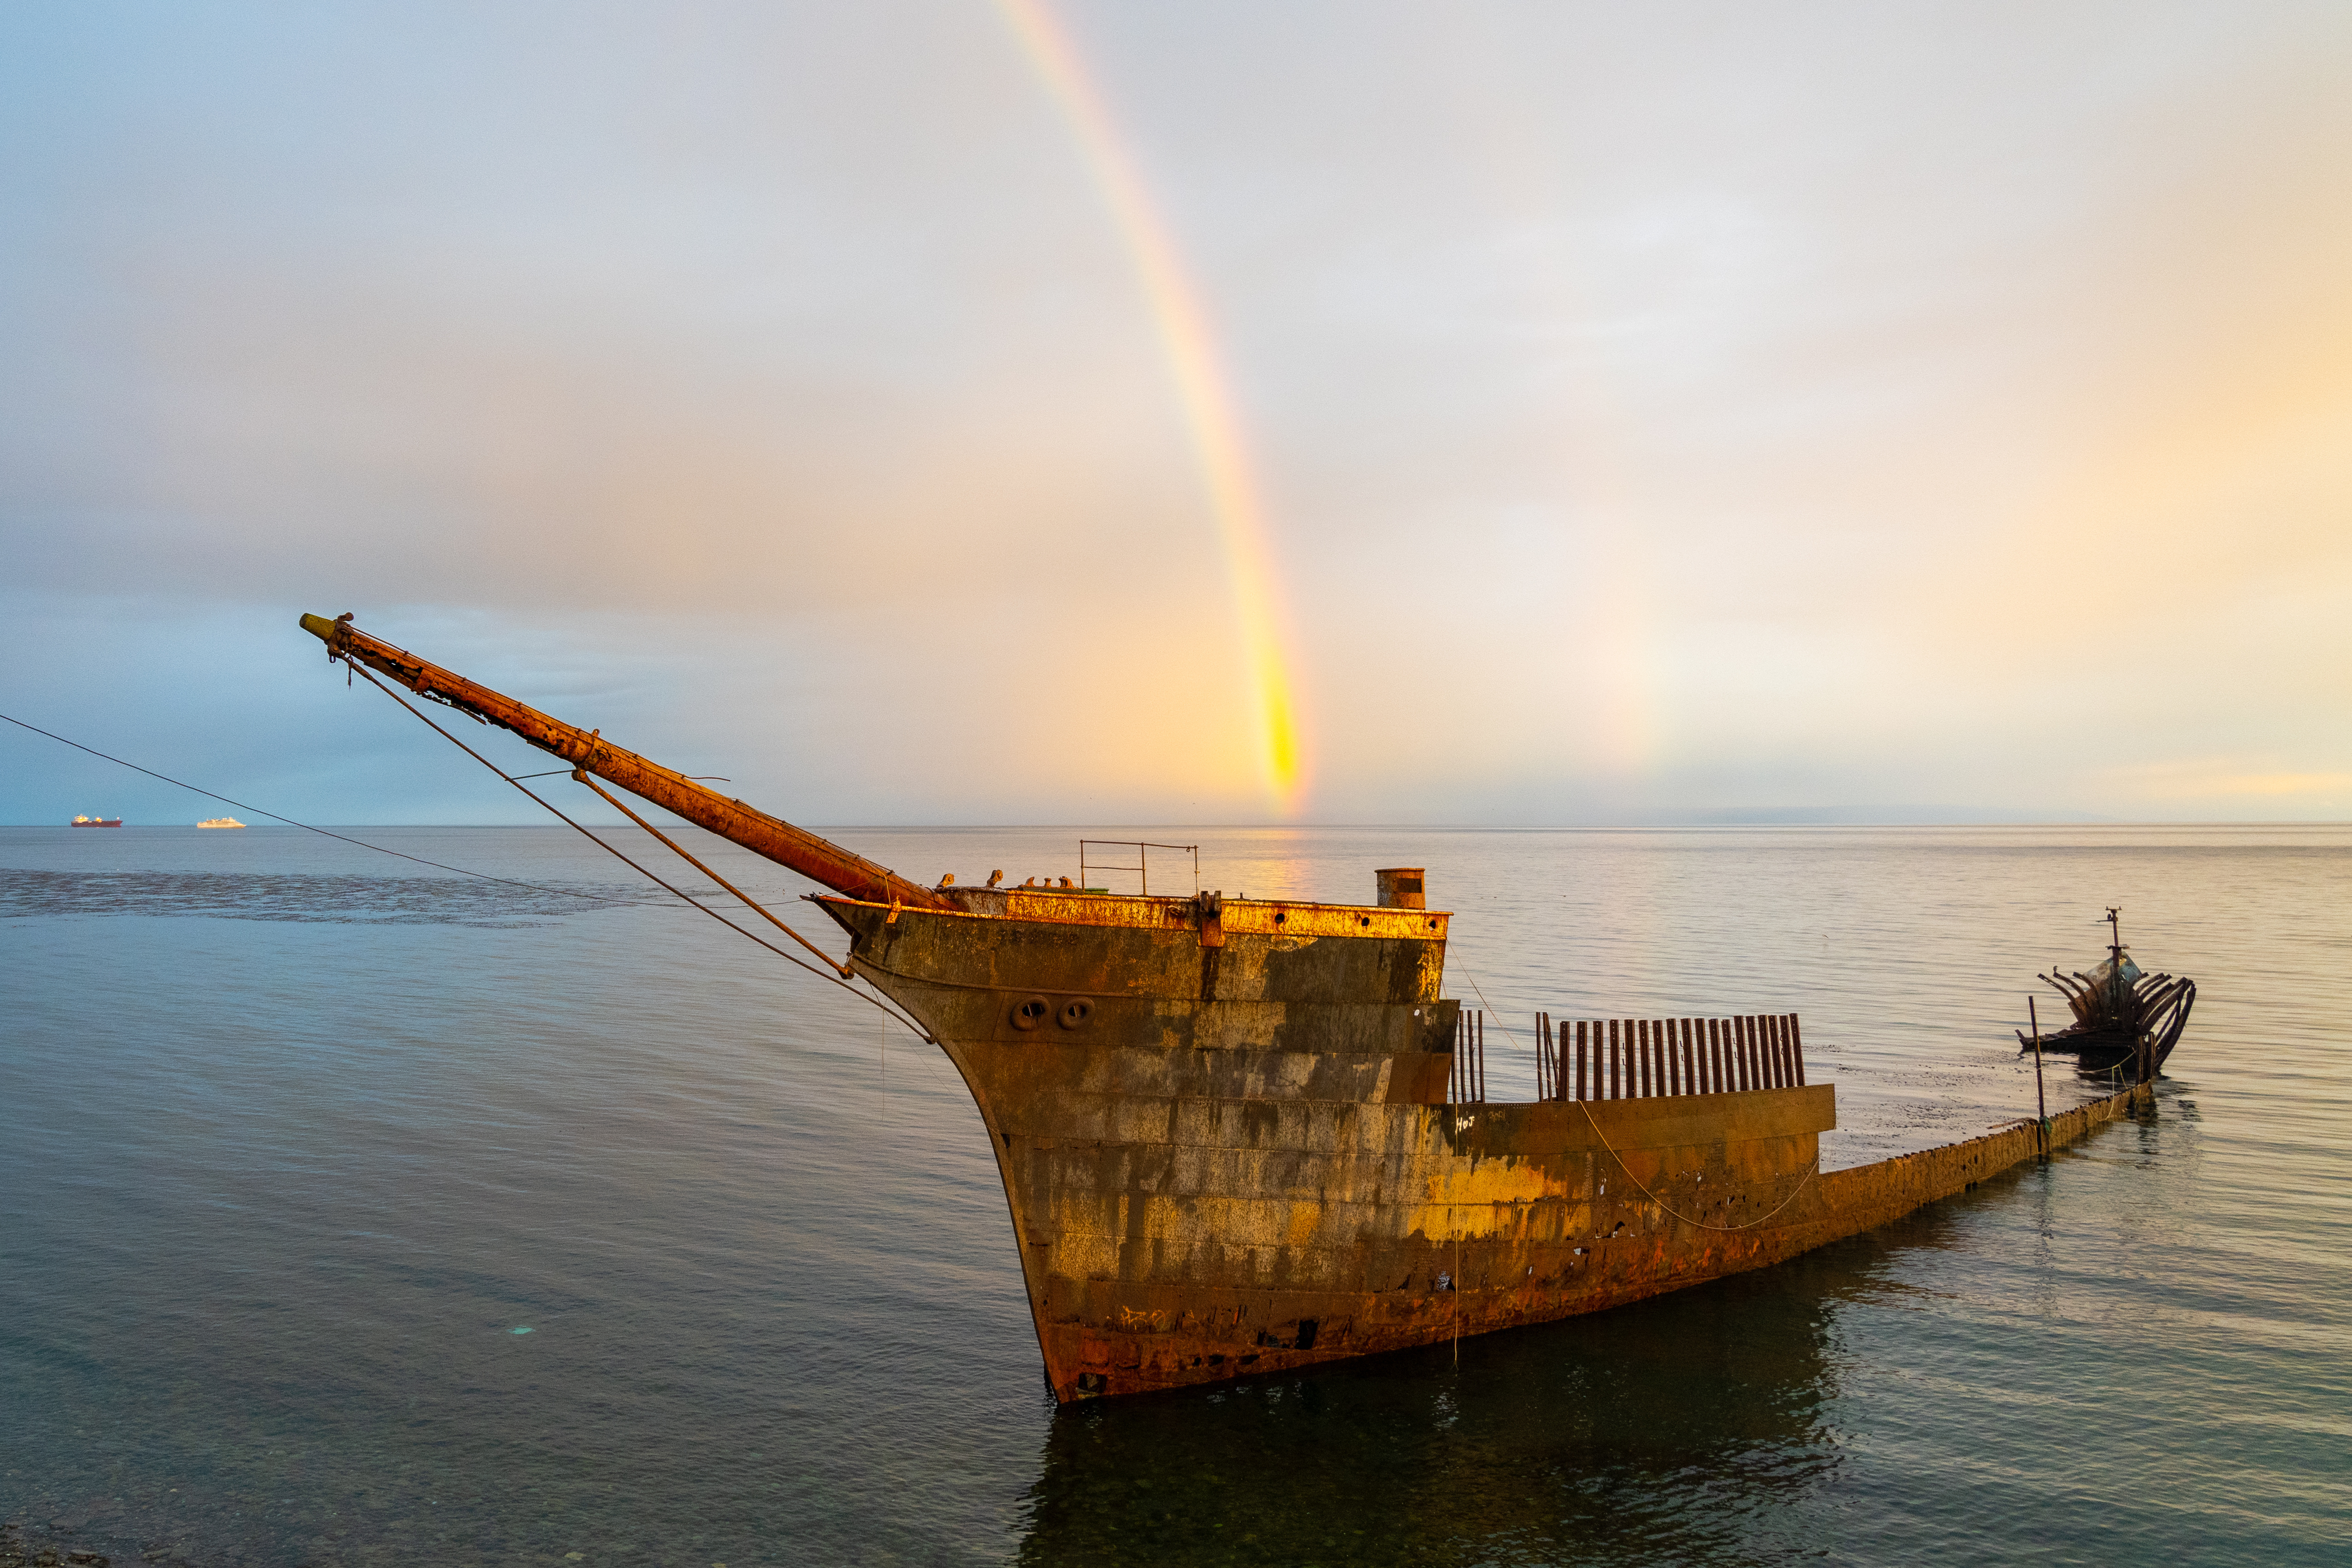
<point x="1210" y="1181"/>
<point x="1224" y="1273"/>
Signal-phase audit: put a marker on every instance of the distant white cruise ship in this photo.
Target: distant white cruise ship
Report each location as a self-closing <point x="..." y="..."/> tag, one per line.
<point x="220" y="822"/>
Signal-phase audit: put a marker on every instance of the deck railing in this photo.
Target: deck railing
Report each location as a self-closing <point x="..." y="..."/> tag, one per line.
<point x="1469" y="1058"/>
<point x="1636" y="1058"/>
<point x="1629" y="1059"/>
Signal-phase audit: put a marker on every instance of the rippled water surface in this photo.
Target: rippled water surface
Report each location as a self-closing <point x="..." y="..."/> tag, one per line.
<point x="355" y="1213"/>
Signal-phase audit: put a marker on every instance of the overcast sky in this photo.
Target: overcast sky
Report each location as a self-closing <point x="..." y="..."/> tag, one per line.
<point x="1656" y="410"/>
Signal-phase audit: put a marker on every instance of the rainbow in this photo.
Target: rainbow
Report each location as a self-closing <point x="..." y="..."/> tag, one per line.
<point x="1201" y="385"/>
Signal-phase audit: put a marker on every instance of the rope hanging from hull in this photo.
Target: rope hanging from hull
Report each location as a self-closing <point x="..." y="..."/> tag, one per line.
<point x="1811" y="1171"/>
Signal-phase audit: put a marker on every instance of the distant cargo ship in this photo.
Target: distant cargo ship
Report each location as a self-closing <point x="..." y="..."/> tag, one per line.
<point x="95" y="823"/>
<point x="220" y="822"/>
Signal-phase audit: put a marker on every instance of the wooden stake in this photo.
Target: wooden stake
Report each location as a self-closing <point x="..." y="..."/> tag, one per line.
<point x="2041" y="1106"/>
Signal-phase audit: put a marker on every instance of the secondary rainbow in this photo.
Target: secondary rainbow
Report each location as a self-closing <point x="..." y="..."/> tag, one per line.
<point x="1201" y="385"/>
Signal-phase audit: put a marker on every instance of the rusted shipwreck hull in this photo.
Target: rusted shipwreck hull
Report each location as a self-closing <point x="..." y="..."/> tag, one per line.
<point x="1232" y="1133"/>
<point x="1224" y="1160"/>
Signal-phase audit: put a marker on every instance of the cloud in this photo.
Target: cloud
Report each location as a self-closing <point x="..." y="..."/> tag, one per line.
<point x="1671" y="411"/>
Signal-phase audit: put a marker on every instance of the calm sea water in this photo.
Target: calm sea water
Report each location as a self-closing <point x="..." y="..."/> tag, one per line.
<point x="301" y="1141"/>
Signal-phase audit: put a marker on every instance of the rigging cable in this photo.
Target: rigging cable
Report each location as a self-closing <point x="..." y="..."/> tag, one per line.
<point x="887" y="1008"/>
<point x="437" y="865"/>
<point x="580" y="775"/>
<point x="1490" y="1007"/>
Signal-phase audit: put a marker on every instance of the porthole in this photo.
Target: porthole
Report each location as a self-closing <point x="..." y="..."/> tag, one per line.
<point x="1076" y="1012"/>
<point x="1031" y="1012"/>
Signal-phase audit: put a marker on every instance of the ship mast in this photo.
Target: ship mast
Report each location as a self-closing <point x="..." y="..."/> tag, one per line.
<point x="819" y="860"/>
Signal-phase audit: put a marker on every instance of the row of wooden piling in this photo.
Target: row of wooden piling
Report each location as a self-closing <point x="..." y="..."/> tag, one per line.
<point x="1629" y="1059"/>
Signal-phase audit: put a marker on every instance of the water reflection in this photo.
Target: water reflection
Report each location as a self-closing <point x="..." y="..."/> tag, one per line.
<point x="1663" y="1432"/>
<point x="275" y="1192"/>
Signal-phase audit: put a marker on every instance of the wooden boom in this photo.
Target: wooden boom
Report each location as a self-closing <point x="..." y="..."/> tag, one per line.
<point x="817" y="858"/>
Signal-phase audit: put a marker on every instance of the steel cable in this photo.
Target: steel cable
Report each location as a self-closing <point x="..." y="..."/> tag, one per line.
<point x="887" y="1009"/>
<point x="437" y="865"/>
